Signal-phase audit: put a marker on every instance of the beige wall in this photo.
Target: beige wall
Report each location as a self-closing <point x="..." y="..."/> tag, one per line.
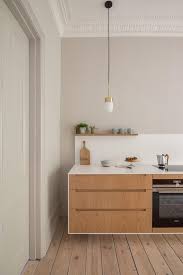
<point x="146" y="83"/>
<point x="51" y="109"/>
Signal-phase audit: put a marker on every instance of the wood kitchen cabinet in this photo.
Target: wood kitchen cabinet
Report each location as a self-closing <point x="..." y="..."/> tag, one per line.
<point x="110" y="203"/>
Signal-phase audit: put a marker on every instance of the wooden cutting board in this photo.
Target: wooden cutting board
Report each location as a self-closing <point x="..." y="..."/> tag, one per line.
<point x="84" y="155"/>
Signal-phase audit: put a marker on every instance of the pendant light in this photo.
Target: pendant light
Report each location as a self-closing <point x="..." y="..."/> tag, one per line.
<point x="108" y="99"/>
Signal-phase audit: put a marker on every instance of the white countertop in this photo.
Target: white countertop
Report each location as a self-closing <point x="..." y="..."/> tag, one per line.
<point x="99" y="170"/>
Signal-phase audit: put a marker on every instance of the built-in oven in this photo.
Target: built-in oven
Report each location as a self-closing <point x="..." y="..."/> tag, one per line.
<point x="167" y="203"/>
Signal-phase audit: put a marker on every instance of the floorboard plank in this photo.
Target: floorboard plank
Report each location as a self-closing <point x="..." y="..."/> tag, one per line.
<point x="45" y="265"/>
<point x="110" y="255"/>
<point x="94" y="256"/>
<point x="124" y="256"/>
<point x="109" y="260"/>
<point x="142" y="262"/>
<point x="180" y="237"/>
<point x="168" y="254"/>
<point x="30" y="268"/>
<point x="78" y="257"/>
<point x="154" y="255"/>
<point x="62" y="261"/>
<point x="176" y="244"/>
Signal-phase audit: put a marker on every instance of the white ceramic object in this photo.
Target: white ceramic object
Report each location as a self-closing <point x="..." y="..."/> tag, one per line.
<point x="115" y="131"/>
<point x="82" y="130"/>
<point x="108" y="107"/>
<point x="106" y="163"/>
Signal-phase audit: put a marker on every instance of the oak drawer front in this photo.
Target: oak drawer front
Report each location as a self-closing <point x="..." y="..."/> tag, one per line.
<point x="110" y="182"/>
<point x="123" y="199"/>
<point x="110" y="221"/>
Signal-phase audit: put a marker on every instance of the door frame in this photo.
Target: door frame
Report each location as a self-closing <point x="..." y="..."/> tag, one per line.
<point x="27" y="20"/>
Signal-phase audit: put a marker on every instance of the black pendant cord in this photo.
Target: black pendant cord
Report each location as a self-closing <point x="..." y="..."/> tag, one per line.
<point x="108" y="55"/>
<point x="108" y="5"/>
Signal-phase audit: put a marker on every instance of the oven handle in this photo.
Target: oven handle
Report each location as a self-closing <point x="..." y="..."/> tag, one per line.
<point x="167" y="186"/>
<point x="168" y="191"/>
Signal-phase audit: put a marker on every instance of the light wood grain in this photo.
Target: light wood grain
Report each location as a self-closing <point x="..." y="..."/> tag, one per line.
<point x="176" y="245"/>
<point x="137" y="199"/>
<point x="46" y="264"/>
<point x="110" y="182"/>
<point x="124" y="256"/>
<point x="78" y="259"/>
<point x="30" y="268"/>
<point x="168" y="254"/>
<point x="94" y="256"/>
<point x="142" y="262"/>
<point x="84" y="155"/>
<point x="62" y="262"/>
<point x="112" y="254"/>
<point x="154" y="255"/>
<point x="127" y="221"/>
<point x="109" y="260"/>
<point x="180" y="237"/>
<point x="110" y="204"/>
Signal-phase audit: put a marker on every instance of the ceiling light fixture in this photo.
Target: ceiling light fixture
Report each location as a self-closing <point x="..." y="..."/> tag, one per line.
<point x="108" y="98"/>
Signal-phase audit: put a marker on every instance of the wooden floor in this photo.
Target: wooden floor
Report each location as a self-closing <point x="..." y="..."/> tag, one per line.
<point x="110" y="255"/>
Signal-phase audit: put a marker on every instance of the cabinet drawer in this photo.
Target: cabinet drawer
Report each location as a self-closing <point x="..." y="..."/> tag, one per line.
<point x="105" y="199"/>
<point x="110" y="221"/>
<point x="110" y="182"/>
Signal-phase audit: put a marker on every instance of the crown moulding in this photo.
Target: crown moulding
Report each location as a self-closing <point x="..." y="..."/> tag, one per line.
<point x="153" y="25"/>
<point x="118" y="29"/>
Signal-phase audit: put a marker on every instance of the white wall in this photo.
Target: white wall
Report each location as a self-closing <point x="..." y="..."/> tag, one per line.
<point x="146" y="83"/>
<point x="14" y="144"/>
<point x="144" y="146"/>
<point x="52" y="89"/>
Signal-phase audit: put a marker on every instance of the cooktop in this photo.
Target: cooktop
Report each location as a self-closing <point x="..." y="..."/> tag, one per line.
<point x="171" y="168"/>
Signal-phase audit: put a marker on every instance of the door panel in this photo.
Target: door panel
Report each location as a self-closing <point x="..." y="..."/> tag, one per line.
<point x="14" y="144"/>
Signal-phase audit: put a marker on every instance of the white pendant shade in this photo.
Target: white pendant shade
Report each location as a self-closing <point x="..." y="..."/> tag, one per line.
<point x="109" y="104"/>
<point x="108" y="107"/>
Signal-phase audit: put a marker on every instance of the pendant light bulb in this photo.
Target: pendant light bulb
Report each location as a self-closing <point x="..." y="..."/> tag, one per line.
<point x="108" y="106"/>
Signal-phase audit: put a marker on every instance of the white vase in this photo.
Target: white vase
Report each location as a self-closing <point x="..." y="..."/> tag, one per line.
<point x="82" y="130"/>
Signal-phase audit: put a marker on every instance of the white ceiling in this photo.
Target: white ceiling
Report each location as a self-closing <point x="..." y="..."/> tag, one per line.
<point x="128" y="17"/>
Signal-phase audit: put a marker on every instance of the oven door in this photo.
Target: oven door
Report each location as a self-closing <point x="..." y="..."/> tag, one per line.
<point x="168" y="208"/>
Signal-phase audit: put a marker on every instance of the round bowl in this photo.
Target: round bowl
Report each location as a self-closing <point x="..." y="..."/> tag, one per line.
<point x="106" y="163"/>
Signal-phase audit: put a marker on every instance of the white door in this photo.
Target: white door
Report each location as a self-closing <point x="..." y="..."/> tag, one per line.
<point x="14" y="144"/>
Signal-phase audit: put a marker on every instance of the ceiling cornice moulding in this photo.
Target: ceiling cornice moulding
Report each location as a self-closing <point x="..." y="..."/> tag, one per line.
<point x="121" y="29"/>
<point x="153" y="25"/>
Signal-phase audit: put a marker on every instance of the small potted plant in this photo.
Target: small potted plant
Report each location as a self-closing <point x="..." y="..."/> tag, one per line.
<point x="81" y="128"/>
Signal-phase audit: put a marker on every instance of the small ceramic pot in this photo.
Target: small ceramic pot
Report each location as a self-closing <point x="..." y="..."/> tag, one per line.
<point x="129" y="131"/>
<point x="115" y="131"/>
<point x="133" y="132"/>
<point x="82" y="130"/>
<point x="125" y="131"/>
<point x="121" y="131"/>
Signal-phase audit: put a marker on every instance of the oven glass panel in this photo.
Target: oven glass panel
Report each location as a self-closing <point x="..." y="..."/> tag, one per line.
<point x="170" y="205"/>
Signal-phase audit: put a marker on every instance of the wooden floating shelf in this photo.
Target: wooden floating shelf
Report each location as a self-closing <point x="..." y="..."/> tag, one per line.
<point x="106" y="134"/>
